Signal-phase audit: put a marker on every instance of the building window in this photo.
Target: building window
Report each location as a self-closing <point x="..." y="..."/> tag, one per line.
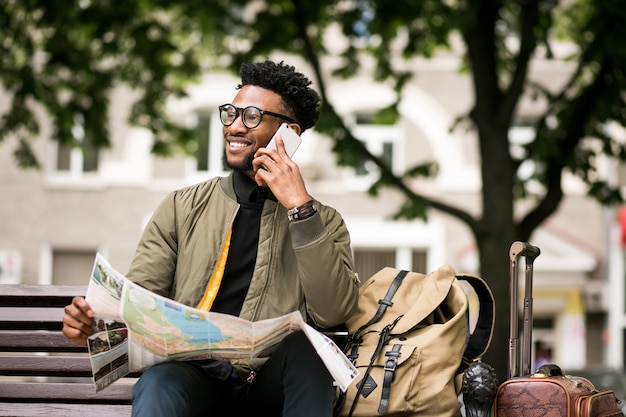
<point x="368" y="261"/>
<point x="521" y="133"/>
<point x="382" y="140"/>
<point x="72" y="266"/>
<point x="419" y="261"/>
<point x="77" y="160"/>
<point x="203" y="152"/>
<point x="210" y="149"/>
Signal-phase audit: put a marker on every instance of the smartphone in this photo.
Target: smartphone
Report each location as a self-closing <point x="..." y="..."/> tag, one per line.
<point x="290" y="139"/>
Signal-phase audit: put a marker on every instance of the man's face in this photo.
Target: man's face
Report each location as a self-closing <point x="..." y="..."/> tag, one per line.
<point x="240" y="142"/>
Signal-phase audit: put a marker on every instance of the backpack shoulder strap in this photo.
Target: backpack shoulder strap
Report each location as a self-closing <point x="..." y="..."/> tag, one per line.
<point x="385" y="302"/>
<point x="480" y="339"/>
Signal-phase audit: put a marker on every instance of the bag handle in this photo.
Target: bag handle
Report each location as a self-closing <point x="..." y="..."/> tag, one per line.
<point x="480" y="339"/>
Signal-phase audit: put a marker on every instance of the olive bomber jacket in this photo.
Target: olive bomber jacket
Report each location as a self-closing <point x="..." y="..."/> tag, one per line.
<point x="304" y="265"/>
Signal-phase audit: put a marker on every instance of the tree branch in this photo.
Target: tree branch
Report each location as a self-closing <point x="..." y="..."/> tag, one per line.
<point x="385" y="172"/>
<point x="528" y="44"/>
<point x="573" y="127"/>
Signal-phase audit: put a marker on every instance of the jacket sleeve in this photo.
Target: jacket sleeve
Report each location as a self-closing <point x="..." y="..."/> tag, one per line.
<point x="329" y="282"/>
<point x="154" y="264"/>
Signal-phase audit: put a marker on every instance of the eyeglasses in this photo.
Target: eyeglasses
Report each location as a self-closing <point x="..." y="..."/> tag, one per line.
<point x="251" y="116"/>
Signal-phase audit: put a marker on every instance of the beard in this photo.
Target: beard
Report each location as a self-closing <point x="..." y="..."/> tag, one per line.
<point x="244" y="166"/>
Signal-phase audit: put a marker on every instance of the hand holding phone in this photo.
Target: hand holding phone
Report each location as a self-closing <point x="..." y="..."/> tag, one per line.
<point x="290" y="139"/>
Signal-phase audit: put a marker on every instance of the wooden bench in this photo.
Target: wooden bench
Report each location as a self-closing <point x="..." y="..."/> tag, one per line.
<point x="42" y="373"/>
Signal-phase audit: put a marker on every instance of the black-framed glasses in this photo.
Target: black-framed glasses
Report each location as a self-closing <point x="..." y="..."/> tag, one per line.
<point x="251" y="116"/>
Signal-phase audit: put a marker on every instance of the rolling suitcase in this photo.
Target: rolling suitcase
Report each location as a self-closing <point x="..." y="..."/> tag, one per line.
<point x="546" y="392"/>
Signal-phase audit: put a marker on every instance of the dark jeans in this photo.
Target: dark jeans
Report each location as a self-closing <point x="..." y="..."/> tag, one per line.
<point x="293" y="383"/>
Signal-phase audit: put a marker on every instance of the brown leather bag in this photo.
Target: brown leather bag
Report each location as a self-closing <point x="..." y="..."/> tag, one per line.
<point x="552" y="394"/>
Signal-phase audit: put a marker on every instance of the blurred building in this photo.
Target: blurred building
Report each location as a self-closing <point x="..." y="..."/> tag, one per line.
<point x="56" y="219"/>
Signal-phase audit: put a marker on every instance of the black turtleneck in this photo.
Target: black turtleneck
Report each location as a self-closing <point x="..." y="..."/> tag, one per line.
<point x="243" y="245"/>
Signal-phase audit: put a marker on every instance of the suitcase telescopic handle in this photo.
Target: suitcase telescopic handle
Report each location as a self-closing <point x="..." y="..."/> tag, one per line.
<point x="523" y="249"/>
<point x="529" y="252"/>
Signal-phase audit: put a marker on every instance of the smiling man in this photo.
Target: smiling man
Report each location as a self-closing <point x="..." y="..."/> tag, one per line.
<point x="254" y="244"/>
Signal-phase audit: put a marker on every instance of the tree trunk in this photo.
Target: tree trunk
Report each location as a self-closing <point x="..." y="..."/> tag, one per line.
<point x="494" y="263"/>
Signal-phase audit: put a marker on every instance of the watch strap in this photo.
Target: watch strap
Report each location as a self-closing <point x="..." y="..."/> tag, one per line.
<point x="302" y="212"/>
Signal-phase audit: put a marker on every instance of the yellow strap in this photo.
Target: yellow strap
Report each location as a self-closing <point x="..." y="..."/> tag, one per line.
<point x="215" y="281"/>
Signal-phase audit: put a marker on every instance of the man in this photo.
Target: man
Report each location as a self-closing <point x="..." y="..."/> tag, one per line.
<point x="254" y="244"/>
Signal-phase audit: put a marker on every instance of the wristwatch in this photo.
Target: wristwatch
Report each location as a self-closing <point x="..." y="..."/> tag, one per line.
<point x="302" y="212"/>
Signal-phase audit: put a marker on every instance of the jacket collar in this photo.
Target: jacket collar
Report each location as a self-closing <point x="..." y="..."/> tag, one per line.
<point x="240" y="187"/>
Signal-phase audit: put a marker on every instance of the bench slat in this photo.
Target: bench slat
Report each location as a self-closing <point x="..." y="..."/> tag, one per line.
<point x="70" y="366"/>
<point x="43" y="318"/>
<point x="66" y="392"/>
<point x="58" y="366"/>
<point x="39" y="295"/>
<point x="37" y="341"/>
<point x="63" y="410"/>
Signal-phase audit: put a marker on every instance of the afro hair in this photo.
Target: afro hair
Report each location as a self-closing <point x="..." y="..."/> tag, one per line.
<point x="292" y="86"/>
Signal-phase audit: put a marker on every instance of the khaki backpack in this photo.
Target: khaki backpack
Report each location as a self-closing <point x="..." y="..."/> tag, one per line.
<point x="410" y="341"/>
